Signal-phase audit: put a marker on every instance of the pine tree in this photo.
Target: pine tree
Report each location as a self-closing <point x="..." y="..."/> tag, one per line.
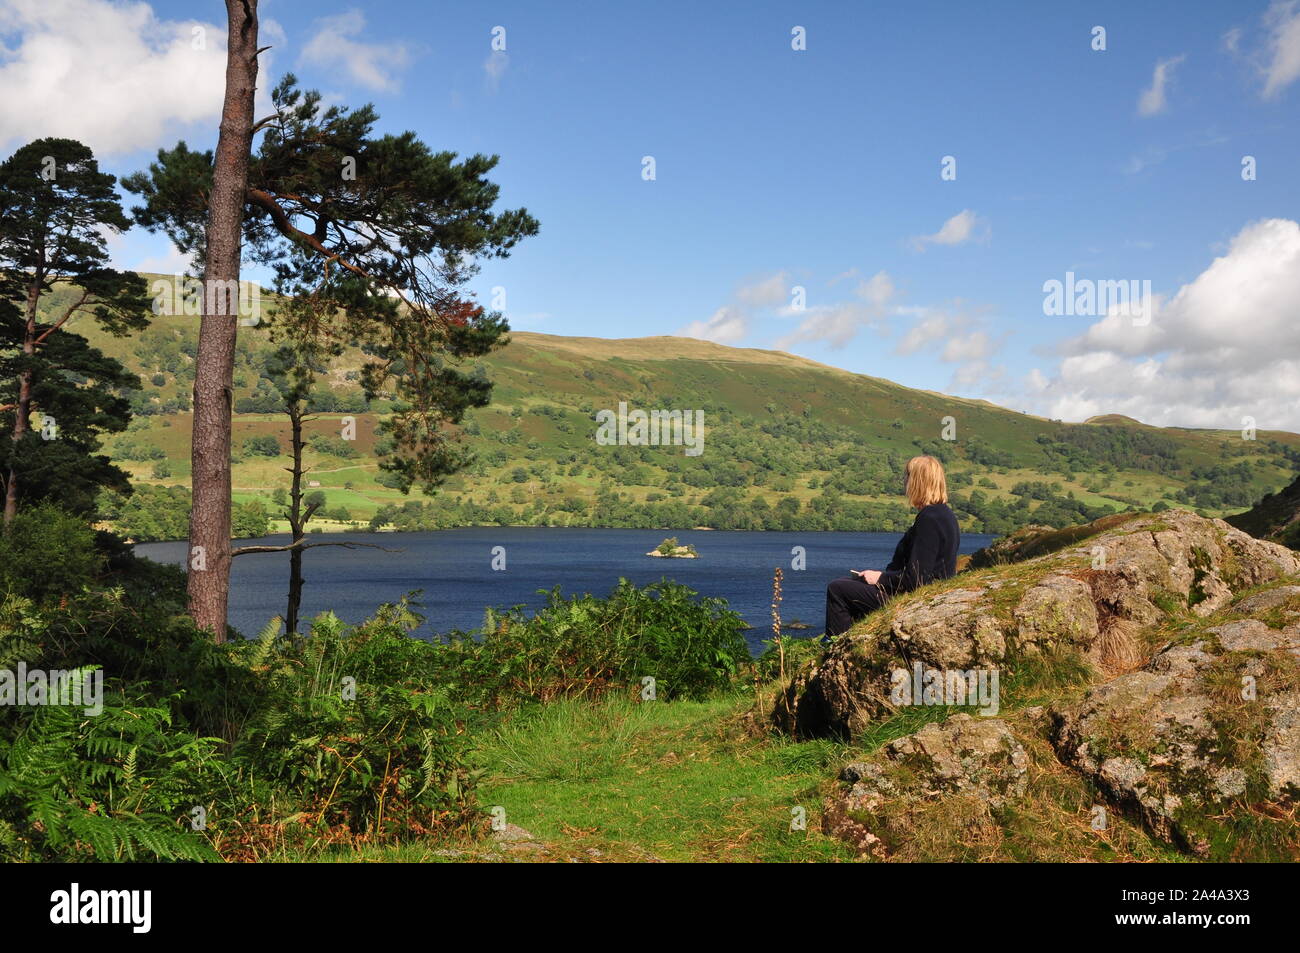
<point x="391" y="229"/>
<point x="55" y="208"/>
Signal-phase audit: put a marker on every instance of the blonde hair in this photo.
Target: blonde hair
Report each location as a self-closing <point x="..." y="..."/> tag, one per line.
<point x="926" y="482"/>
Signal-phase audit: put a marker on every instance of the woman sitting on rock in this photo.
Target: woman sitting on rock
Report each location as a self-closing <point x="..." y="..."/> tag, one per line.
<point x="927" y="551"/>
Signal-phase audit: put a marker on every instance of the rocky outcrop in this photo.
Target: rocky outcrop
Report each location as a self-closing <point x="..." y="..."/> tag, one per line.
<point x="1009" y="548"/>
<point x="1194" y="743"/>
<point x="977" y="761"/>
<point x="1037" y="540"/>
<point x="1207" y="729"/>
<point x="1115" y="580"/>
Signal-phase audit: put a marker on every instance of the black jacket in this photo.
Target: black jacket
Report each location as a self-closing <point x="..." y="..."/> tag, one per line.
<point x="927" y="551"/>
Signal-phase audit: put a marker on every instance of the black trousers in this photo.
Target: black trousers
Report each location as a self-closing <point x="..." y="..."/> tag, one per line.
<point x="847" y="600"/>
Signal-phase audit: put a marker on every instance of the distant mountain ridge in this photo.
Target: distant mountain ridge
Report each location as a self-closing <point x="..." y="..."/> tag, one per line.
<point x="790" y="443"/>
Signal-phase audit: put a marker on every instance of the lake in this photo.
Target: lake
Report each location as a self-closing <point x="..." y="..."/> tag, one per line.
<point x="454" y="569"/>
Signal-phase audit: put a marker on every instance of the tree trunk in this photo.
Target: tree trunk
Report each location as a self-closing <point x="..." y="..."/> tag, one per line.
<point x="23" y="408"/>
<point x="209" y="562"/>
<point x="297" y="524"/>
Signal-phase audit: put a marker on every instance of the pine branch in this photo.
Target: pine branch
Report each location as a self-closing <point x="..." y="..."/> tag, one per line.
<point x="303" y="544"/>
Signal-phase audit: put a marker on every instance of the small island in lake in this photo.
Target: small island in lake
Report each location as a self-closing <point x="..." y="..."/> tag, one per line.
<point x="669" y="549"/>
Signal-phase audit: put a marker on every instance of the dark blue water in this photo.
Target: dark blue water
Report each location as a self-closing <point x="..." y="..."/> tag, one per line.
<point x="454" y="569"/>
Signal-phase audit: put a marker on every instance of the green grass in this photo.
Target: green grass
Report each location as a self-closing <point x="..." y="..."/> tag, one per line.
<point x="569" y="740"/>
<point x="681" y="781"/>
<point x="620" y="780"/>
<point x="687" y="782"/>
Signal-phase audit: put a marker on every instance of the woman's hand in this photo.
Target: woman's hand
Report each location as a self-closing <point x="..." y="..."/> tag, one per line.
<point x="871" y="576"/>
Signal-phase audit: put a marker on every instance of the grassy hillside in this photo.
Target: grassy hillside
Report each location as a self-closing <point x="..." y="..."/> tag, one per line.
<point x="1275" y="517"/>
<point x="789" y="443"/>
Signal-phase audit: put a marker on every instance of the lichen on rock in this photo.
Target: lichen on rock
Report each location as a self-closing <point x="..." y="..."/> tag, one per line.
<point x="976" y="761"/>
<point x="1196" y="737"/>
<point x="1064" y="600"/>
<point x="1206" y="735"/>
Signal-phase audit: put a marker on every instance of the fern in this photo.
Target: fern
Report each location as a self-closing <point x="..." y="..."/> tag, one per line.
<point x="265" y="643"/>
<point x="79" y="784"/>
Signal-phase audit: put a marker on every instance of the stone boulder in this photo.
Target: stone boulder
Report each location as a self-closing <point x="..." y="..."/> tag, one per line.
<point x="1116" y="578"/>
<point x="1207" y="731"/>
<point x="976" y="762"/>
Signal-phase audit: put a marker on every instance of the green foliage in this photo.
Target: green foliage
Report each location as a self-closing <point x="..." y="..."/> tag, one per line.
<point x="1219" y="486"/>
<point x="249" y="520"/>
<point x="108" y="787"/>
<point x="153" y="513"/>
<point x="782" y="470"/>
<point x="264" y="736"/>
<point x="409" y="227"/>
<point x="46" y="554"/>
<point x="128" y="448"/>
<point x="60" y="394"/>
<point x="112" y="785"/>
<point x="1128" y="448"/>
<point x="585" y="646"/>
<point x="149" y="513"/>
<point x="568" y="739"/>
<point x="263" y="445"/>
<point x="355" y="726"/>
<point x="334" y="446"/>
<point x="992" y="515"/>
<point x="787" y="655"/>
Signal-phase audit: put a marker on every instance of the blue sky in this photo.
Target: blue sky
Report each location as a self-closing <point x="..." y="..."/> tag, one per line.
<point x="817" y="168"/>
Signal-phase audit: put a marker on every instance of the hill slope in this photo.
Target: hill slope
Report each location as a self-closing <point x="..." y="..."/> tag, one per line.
<point x="1275" y="517"/>
<point x="789" y="443"/>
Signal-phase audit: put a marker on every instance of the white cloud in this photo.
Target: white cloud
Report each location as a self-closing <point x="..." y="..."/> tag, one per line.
<point x="979" y="375"/>
<point x="730" y="323"/>
<point x="765" y="293"/>
<point x="837" y="324"/>
<point x="1152" y="100"/>
<point x="967" y="348"/>
<point x="727" y="326"/>
<point x="170" y="262"/>
<point x="878" y="291"/>
<point x="959" y="339"/>
<point x="1283" y="21"/>
<point x="934" y="326"/>
<point x="372" y="65"/>
<point x="1224" y="347"/>
<point x="958" y="229"/>
<point x="114" y="76"/>
<point x="495" y="67"/>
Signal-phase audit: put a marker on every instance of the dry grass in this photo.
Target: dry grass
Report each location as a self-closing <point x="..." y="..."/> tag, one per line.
<point x="1120" y="647"/>
<point x="1052" y="822"/>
